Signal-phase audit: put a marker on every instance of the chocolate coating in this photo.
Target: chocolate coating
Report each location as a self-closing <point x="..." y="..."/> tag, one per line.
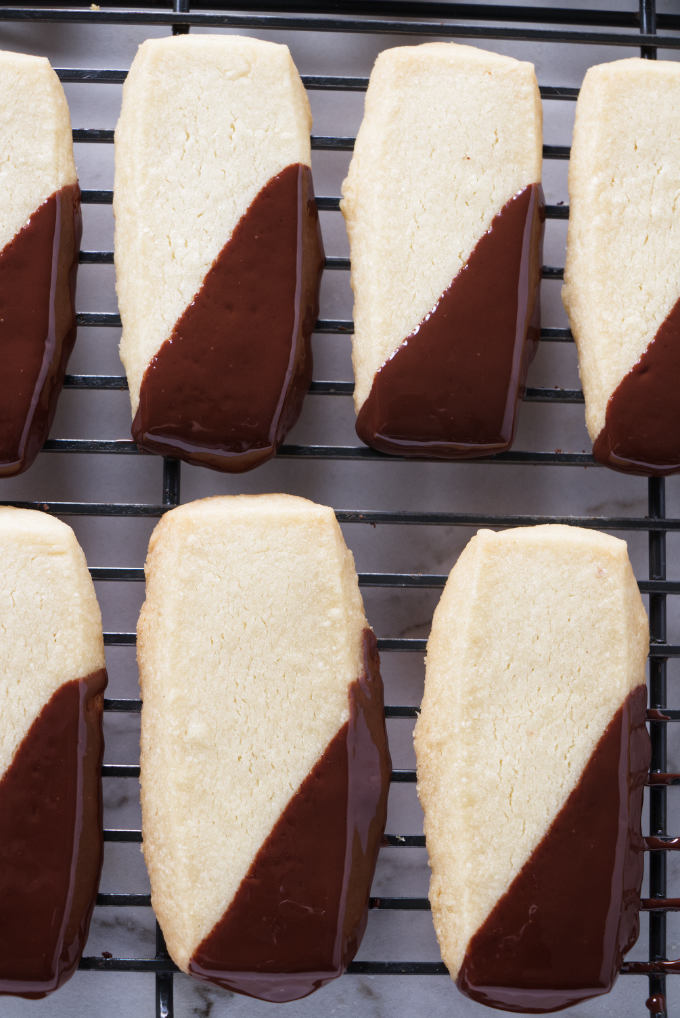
<point x="558" y="935"/>
<point x="51" y="840"/>
<point x="37" y="324"/>
<point x="451" y="389"/>
<point x="641" y="433"/>
<point x="299" y="915"/>
<point x="229" y="383"/>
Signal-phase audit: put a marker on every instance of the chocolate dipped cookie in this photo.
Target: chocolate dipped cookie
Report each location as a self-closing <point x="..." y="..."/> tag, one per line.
<point x="52" y="678"/>
<point x="264" y="763"/>
<point x="532" y="755"/>
<point x="621" y="283"/>
<point x="217" y="247"/>
<point x="444" y="210"/>
<point x="40" y="228"/>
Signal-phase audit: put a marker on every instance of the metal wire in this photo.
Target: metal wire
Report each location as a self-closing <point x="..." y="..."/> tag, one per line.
<point x="399" y="17"/>
<point x="657" y="667"/>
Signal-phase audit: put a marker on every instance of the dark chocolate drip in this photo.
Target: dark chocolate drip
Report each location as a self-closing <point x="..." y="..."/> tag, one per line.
<point x="229" y="383"/>
<point x="641" y="433"/>
<point x="663" y="778"/>
<point x="37" y="324"/>
<point x="557" y="936"/>
<point x="656" y="1004"/>
<point x="661" y="904"/>
<point x="654" y="714"/>
<point x="662" y="844"/>
<point x="662" y="966"/>
<point x="299" y="915"/>
<point x="51" y="840"/>
<point x="451" y="389"/>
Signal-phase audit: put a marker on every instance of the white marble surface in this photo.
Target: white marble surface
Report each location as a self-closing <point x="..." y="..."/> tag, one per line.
<point x="473" y="488"/>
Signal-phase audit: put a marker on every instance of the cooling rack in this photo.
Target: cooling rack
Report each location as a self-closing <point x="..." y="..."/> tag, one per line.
<point x="401" y="499"/>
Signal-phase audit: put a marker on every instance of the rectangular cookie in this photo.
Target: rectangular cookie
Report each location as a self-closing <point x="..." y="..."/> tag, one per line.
<point x="621" y="286"/>
<point x="444" y="210"/>
<point x="52" y="679"/>
<point x="217" y="247"/>
<point x="40" y="227"/>
<point x="264" y="761"/>
<point x="532" y="754"/>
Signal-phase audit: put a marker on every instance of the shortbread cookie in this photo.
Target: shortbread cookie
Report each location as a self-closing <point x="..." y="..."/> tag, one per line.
<point x="40" y="229"/>
<point x="622" y="288"/>
<point x="52" y="679"/>
<point x="444" y="211"/>
<point x="532" y="755"/>
<point x="264" y="762"/>
<point x="217" y="245"/>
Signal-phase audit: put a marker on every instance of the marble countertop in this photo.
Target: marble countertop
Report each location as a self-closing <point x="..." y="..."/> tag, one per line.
<point x="473" y="489"/>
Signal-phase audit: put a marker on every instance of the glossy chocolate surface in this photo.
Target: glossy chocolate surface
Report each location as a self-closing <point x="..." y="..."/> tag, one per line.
<point x="451" y="389"/>
<point x="641" y="434"/>
<point x="37" y="324"/>
<point x="558" y="935"/>
<point x="228" y="384"/>
<point x="299" y="915"/>
<point x="51" y="840"/>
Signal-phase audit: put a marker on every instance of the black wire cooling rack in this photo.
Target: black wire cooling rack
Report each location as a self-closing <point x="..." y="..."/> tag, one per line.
<point x="632" y="31"/>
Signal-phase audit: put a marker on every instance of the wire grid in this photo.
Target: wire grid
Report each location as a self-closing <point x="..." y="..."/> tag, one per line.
<point x="474" y="21"/>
